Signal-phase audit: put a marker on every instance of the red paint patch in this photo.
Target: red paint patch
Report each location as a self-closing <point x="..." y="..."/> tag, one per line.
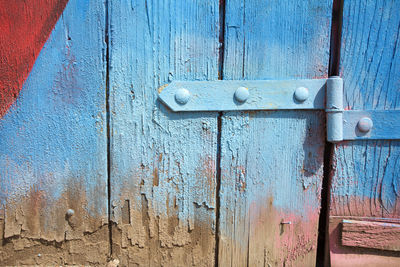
<point x="24" y="29"/>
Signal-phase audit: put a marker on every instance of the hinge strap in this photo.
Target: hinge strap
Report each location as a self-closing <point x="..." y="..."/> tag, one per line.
<point x="244" y="95"/>
<point x="285" y="94"/>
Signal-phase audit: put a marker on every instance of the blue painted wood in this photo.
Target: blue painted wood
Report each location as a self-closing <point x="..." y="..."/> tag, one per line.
<point x="263" y="95"/>
<point x="365" y="174"/>
<point x="163" y="186"/>
<point x="386" y="124"/>
<point x="272" y="161"/>
<point x="53" y="149"/>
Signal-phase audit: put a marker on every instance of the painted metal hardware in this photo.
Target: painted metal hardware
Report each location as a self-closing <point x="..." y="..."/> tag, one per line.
<point x="334" y="109"/>
<point x="70" y="212"/>
<point x="245" y="95"/>
<point x="372" y="124"/>
<point x="182" y="96"/>
<point x="285" y="94"/>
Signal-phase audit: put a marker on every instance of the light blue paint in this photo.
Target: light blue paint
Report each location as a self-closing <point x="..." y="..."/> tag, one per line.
<point x="162" y="161"/>
<point x="262" y="95"/>
<point x="366" y="178"/>
<point x="334" y="109"/>
<point x="54" y="137"/>
<point x="182" y="96"/>
<point x="385" y="124"/>
<point x="241" y="94"/>
<point x="271" y="161"/>
<point x="301" y="94"/>
<point x="365" y="124"/>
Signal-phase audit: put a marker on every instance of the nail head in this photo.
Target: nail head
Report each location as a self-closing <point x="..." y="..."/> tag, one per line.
<point x="301" y="94"/>
<point x="70" y="212"/>
<point x="365" y="124"/>
<point x="242" y="94"/>
<point x="182" y="96"/>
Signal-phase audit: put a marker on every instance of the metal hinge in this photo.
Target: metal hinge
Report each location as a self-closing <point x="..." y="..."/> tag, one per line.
<point x="307" y="94"/>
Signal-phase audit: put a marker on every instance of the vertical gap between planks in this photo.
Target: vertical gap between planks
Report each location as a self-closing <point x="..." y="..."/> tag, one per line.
<point x="323" y="250"/>
<point x="108" y="118"/>
<point x="219" y="128"/>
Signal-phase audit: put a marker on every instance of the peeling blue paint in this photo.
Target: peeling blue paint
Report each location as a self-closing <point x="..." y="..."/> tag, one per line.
<point x="54" y="135"/>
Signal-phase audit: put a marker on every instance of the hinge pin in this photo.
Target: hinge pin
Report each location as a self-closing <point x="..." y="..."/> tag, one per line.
<point x="334" y="109"/>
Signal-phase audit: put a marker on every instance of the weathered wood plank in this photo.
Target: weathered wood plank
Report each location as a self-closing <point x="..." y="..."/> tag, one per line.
<point x="272" y="162"/>
<point x="53" y="148"/>
<point x="162" y="163"/>
<point x="365" y="176"/>
<point x="367" y="234"/>
<point x="358" y="256"/>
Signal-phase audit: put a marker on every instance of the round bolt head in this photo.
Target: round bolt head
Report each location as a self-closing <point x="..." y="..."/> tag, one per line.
<point x="365" y="124"/>
<point x="301" y="94"/>
<point x="242" y="94"/>
<point x="182" y="96"/>
<point x="70" y="212"/>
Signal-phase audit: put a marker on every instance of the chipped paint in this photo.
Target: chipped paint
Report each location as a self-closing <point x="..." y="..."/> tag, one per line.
<point x="365" y="174"/>
<point x="53" y="144"/>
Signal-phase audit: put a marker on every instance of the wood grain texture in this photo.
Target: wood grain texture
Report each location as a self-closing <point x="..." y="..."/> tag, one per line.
<point x="53" y="149"/>
<point x="272" y="162"/>
<point x="358" y="256"/>
<point x="163" y="178"/>
<point x="365" y="175"/>
<point x="367" y="234"/>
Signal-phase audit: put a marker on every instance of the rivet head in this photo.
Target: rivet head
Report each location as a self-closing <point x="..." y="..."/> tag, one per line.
<point x="365" y="124"/>
<point x="182" y="96"/>
<point x="301" y="94"/>
<point x="242" y="94"/>
<point x="70" y="212"/>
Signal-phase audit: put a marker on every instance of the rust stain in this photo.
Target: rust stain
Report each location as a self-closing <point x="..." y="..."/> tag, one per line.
<point x="34" y="214"/>
<point x="155" y="177"/>
<point x="161" y="88"/>
<point x="207" y="171"/>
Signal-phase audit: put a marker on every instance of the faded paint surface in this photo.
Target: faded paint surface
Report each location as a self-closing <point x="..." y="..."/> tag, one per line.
<point x="371" y="234"/>
<point x="165" y="203"/>
<point x="53" y="141"/>
<point x="365" y="175"/>
<point x="24" y="27"/>
<point x="358" y="256"/>
<point x="272" y="161"/>
<point x="162" y="163"/>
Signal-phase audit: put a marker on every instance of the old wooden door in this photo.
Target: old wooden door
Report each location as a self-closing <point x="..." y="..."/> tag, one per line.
<point x="365" y="175"/>
<point x="53" y="138"/>
<point x="93" y="167"/>
<point x="209" y="188"/>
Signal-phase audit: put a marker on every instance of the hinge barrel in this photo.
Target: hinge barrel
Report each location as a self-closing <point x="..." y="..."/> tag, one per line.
<point x="334" y="109"/>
